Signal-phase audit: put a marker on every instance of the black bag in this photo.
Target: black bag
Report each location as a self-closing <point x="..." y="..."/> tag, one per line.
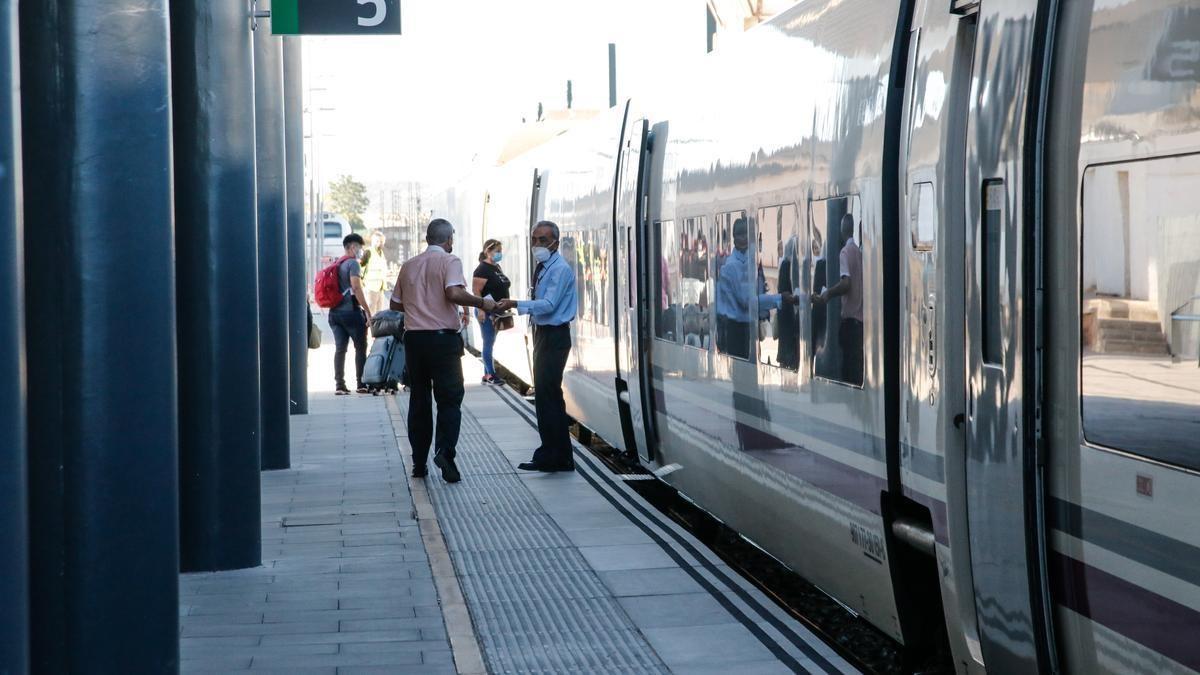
<point x="387" y="322"/>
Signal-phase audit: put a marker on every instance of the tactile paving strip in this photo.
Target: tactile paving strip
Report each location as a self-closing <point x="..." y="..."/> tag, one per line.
<point x="536" y="605"/>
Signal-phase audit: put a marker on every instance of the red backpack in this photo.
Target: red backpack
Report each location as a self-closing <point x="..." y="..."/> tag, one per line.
<point x="327" y="290"/>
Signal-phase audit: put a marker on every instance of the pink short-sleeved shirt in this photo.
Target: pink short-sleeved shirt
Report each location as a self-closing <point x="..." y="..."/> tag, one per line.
<point x="850" y="261"/>
<point x="421" y="287"/>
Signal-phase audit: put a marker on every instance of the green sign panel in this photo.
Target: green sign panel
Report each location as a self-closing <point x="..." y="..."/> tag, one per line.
<point x="335" y="17"/>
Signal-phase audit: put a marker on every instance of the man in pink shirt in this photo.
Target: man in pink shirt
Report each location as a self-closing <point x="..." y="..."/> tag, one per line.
<point x="850" y="289"/>
<point x="430" y="290"/>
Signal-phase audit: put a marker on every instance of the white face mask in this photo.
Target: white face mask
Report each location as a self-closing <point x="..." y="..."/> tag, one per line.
<point x="541" y="253"/>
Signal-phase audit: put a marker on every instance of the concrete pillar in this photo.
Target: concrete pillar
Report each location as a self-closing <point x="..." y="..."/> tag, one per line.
<point x="14" y="512"/>
<point x="293" y="108"/>
<point x="100" y="336"/>
<point x="274" y="359"/>
<point x="216" y="215"/>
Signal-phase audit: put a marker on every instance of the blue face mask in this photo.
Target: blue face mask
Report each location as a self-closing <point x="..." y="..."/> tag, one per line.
<point x="497" y="256"/>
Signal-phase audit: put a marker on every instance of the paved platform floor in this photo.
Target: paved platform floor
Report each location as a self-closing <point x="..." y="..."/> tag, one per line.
<point x="345" y="584"/>
<point x="505" y="572"/>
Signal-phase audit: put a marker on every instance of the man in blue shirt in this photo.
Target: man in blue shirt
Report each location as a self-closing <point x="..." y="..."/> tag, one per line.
<point x="551" y="312"/>
<point x="735" y="325"/>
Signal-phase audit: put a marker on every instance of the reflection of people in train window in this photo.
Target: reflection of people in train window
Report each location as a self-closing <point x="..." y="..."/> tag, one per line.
<point x="665" y="291"/>
<point x="576" y="258"/>
<point x="819" y="285"/>
<point x="589" y="279"/>
<point x="789" y="318"/>
<point x="735" y="323"/>
<point x="849" y="288"/>
<point x="601" y="286"/>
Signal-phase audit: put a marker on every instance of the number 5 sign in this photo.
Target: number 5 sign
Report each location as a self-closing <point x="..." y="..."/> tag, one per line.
<point x="335" y="17"/>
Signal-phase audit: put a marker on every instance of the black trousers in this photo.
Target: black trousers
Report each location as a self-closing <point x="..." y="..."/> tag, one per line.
<point x="348" y="325"/>
<point x="850" y="339"/>
<point x="434" y="362"/>
<point x="551" y="348"/>
<point x="733" y="337"/>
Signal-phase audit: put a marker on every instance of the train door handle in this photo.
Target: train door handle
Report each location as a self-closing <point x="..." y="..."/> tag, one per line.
<point x="959" y="419"/>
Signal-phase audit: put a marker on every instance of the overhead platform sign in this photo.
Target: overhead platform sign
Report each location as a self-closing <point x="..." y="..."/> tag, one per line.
<point x="335" y="17"/>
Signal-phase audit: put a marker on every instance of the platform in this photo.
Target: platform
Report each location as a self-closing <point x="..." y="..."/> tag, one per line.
<point x="505" y="572"/>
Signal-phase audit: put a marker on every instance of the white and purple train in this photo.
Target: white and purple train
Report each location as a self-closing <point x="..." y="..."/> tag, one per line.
<point x="1007" y="443"/>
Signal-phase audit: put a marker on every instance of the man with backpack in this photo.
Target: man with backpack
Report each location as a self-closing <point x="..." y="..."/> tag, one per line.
<point x="349" y="313"/>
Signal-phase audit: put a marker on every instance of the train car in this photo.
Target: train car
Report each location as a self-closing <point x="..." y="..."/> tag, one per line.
<point x="996" y="432"/>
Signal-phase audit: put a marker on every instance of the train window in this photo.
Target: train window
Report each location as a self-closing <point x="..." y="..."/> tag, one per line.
<point x="922" y="218"/>
<point x="573" y="249"/>
<point x="837" y="329"/>
<point x="993" y="284"/>
<point x="601" y="271"/>
<point x="778" y="280"/>
<point x="590" y="252"/>
<point x="692" y="297"/>
<point x="1140" y="306"/>
<point x="737" y="319"/>
<point x="667" y="289"/>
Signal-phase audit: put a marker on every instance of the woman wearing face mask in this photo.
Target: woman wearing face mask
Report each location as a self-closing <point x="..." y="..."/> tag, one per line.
<point x="489" y="279"/>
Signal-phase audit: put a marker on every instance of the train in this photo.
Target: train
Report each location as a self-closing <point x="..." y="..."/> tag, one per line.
<point x="908" y="294"/>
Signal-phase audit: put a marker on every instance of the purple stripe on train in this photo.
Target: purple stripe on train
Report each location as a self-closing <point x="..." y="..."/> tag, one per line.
<point x="1159" y="623"/>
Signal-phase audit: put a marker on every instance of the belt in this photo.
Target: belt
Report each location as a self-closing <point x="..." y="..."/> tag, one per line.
<point x="558" y="325"/>
<point x="440" y="331"/>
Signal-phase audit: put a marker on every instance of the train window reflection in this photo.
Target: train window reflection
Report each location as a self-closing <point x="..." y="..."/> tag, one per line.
<point x="666" y="321"/>
<point x="922" y="224"/>
<point x="589" y="255"/>
<point x="837" y="290"/>
<point x="778" y="281"/>
<point x="993" y="279"/>
<point x="1140" y="302"/>
<point x="693" y="286"/>
<point x="737" y="319"/>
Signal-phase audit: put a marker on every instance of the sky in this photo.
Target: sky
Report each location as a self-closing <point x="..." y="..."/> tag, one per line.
<point x="425" y="105"/>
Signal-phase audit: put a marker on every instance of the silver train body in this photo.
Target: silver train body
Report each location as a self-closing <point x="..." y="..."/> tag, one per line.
<point x="1021" y="459"/>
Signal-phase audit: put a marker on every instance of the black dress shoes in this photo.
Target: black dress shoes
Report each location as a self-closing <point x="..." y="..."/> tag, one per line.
<point x="545" y="468"/>
<point x="419" y="472"/>
<point x="449" y="470"/>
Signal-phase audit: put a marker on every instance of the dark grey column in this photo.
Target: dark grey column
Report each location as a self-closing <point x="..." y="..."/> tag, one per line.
<point x="293" y="104"/>
<point x="100" y="336"/>
<point x="217" y="286"/>
<point x="14" y="542"/>
<point x="274" y="359"/>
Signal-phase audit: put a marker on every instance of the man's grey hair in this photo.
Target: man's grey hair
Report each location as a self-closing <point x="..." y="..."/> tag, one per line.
<point x="439" y="232"/>
<point x="546" y="223"/>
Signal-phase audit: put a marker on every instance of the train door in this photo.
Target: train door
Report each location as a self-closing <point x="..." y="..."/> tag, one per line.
<point x="1004" y="493"/>
<point x="535" y="215"/>
<point x="632" y="308"/>
<point x="933" y="395"/>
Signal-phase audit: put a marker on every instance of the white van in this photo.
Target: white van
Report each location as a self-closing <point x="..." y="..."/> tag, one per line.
<point x="335" y="230"/>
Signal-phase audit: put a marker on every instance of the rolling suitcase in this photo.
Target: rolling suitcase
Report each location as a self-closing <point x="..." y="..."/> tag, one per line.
<point x="384" y="370"/>
<point x="375" y="370"/>
<point x="397" y="373"/>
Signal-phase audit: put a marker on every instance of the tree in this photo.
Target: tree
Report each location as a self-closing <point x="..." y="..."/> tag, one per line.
<point x="348" y="197"/>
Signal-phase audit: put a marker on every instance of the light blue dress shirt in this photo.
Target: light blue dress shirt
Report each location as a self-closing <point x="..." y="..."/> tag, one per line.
<point x="734" y="291"/>
<point x="554" y="299"/>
